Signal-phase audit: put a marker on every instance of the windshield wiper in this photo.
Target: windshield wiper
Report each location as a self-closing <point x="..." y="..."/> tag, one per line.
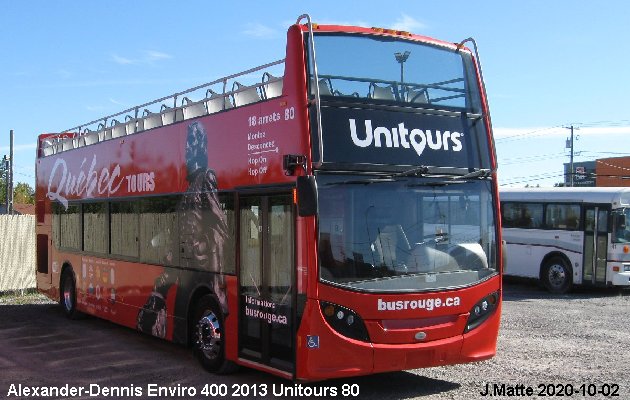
<point x="365" y="181"/>
<point x="445" y="172"/>
<point x="435" y="183"/>
<point x="479" y="173"/>
<point x="416" y="171"/>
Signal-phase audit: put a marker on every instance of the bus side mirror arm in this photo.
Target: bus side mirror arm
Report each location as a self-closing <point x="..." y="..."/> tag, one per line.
<point x="307" y="196"/>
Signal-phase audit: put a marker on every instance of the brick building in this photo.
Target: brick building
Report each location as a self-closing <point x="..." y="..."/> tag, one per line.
<point x="613" y="172"/>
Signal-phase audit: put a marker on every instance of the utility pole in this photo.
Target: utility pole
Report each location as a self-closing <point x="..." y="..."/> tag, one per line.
<point x="10" y="178"/>
<point x="4" y="173"/>
<point x="569" y="145"/>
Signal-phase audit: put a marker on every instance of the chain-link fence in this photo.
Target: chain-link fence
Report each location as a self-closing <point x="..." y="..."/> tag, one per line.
<point x="17" y="252"/>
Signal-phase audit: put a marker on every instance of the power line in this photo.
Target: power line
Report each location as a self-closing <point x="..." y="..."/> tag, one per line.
<point x="537" y="176"/>
<point x="23" y="174"/>
<point x="526" y="135"/>
<point x="543" y="131"/>
<point x="622" y="122"/>
<point x="529" y="159"/>
<point x="531" y="180"/>
<point x="606" y="152"/>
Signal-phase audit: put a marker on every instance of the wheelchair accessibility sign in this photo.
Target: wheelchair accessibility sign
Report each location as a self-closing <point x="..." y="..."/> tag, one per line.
<point x="312" y="342"/>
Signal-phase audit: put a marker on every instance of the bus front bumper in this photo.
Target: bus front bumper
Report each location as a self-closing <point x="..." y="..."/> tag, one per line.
<point x="337" y="356"/>
<point x="621" y="278"/>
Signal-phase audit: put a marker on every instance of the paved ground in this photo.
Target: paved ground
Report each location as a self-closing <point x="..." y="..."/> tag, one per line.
<point x="577" y="345"/>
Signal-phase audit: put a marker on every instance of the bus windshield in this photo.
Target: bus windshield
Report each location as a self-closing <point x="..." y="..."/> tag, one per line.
<point x="395" y="69"/>
<point x="405" y="234"/>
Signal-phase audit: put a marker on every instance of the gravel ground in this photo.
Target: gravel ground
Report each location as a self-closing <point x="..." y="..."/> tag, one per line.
<point x="571" y="344"/>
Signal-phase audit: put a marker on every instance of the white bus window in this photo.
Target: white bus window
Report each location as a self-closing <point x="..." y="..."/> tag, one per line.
<point x="522" y="215"/>
<point x="563" y="216"/>
<point x="602" y="221"/>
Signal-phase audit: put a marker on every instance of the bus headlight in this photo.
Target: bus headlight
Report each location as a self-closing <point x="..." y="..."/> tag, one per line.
<point x="481" y="311"/>
<point x="344" y="321"/>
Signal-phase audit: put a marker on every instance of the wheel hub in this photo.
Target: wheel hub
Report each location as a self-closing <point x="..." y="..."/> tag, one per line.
<point x="557" y="275"/>
<point x="67" y="294"/>
<point x="208" y="335"/>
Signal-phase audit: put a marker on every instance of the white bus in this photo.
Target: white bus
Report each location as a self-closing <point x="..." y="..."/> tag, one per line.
<point x="567" y="236"/>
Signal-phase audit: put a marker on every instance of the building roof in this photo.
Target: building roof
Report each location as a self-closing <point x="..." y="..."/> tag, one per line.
<point x="24" y="209"/>
<point x="19" y="209"/>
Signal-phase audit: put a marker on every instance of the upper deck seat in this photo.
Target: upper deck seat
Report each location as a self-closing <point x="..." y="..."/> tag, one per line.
<point x="193" y="109"/>
<point x="118" y="129"/>
<point x="382" y="92"/>
<point x="171" y="114"/>
<point x="217" y="102"/>
<point x="133" y="125"/>
<point x="68" y="143"/>
<point x="90" y="137"/>
<point x="419" y="96"/>
<point x="244" y="94"/>
<point x="325" y="87"/>
<point x="104" y="133"/>
<point x="151" y="120"/>
<point x="80" y="140"/>
<point x="272" y="86"/>
<point x="49" y="147"/>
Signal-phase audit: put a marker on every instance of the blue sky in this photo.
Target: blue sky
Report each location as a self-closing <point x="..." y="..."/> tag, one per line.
<point x="547" y="64"/>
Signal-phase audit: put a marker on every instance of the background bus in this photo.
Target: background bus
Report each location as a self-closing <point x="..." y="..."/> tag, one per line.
<point x="567" y="236"/>
<point x="314" y="217"/>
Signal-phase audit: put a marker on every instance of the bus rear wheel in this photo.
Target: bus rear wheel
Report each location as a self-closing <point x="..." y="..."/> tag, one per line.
<point x="208" y="336"/>
<point x="557" y="276"/>
<point x="68" y="296"/>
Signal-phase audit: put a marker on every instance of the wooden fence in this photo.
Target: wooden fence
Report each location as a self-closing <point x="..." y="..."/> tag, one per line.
<point x="17" y="252"/>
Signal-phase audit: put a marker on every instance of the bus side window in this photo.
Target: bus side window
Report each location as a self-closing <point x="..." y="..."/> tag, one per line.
<point x="522" y="215"/>
<point x="124" y="227"/>
<point x="158" y="231"/>
<point x="226" y="201"/>
<point x="56" y="222"/>
<point x="563" y="216"/>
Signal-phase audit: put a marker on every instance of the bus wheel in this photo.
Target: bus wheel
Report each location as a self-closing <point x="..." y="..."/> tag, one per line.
<point x="208" y="336"/>
<point x="557" y="276"/>
<point x="68" y="298"/>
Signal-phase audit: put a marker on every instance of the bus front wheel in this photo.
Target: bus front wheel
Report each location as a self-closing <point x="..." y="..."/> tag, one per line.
<point x="556" y="275"/>
<point x="208" y="336"/>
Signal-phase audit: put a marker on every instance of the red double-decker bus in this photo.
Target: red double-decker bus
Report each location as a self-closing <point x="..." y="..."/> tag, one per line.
<point x="331" y="214"/>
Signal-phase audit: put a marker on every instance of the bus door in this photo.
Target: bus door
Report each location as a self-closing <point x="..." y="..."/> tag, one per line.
<point x="266" y="280"/>
<point x="595" y="243"/>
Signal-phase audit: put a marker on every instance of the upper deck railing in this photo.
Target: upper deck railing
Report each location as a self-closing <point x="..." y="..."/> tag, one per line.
<point x="171" y="109"/>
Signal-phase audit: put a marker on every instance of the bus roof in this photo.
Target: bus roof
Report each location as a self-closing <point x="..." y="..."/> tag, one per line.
<point x="616" y="196"/>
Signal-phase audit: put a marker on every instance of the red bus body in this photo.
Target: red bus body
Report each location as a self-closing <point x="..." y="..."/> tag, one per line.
<point x="246" y="147"/>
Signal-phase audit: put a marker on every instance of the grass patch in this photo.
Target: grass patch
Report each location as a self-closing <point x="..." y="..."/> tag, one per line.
<point x="20" y="297"/>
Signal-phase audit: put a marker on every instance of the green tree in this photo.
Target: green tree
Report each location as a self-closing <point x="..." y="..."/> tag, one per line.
<point x="23" y="193"/>
<point x="3" y="189"/>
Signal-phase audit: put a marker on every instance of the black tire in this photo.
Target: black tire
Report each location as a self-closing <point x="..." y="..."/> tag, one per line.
<point x="557" y="275"/>
<point x="68" y="294"/>
<point x="207" y="335"/>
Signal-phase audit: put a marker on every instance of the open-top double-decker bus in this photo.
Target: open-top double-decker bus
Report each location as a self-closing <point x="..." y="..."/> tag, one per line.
<point x="331" y="214"/>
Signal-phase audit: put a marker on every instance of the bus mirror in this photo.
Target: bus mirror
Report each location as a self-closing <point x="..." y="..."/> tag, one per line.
<point x="307" y="196"/>
<point x="620" y="220"/>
